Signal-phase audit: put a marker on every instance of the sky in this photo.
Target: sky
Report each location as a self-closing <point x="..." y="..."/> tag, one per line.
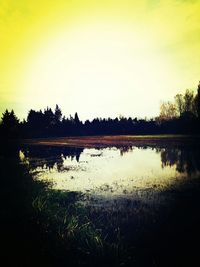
<point x="100" y="58"/>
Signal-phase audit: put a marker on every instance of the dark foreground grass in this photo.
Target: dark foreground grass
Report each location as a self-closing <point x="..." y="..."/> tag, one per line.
<point x="44" y="227"/>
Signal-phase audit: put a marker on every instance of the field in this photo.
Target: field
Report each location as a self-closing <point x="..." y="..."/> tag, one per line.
<point x="115" y="140"/>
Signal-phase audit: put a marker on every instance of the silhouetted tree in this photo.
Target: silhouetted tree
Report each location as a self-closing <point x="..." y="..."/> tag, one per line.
<point x="10" y="124"/>
<point x="58" y="114"/>
<point x="35" y="118"/>
<point x="49" y="117"/>
<point x="188" y="99"/>
<point x="197" y="101"/>
<point x="76" y="118"/>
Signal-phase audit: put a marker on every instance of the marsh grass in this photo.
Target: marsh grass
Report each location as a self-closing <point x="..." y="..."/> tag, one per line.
<point x="76" y="231"/>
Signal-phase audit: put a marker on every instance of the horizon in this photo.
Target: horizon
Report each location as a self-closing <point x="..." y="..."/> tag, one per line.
<point x="97" y="58"/>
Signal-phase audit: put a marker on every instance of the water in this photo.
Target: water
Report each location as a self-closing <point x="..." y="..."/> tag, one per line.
<point x="112" y="172"/>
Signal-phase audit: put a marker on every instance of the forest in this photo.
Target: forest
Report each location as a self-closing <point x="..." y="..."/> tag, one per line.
<point x="181" y="116"/>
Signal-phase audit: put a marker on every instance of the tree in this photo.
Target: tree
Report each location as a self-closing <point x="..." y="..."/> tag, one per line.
<point x="76" y="118"/>
<point x="197" y="101"/>
<point x="49" y="117"/>
<point x="168" y="111"/>
<point x="9" y="119"/>
<point x="35" y="118"/>
<point x="188" y="99"/>
<point x="58" y="114"/>
<point x="179" y="101"/>
<point x="187" y="104"/>
<point x="10" y="124"/>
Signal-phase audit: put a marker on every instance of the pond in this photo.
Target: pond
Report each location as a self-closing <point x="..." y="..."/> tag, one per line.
<point x="113" y="172"/>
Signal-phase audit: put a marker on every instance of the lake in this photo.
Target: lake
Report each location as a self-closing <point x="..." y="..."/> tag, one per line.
<point x="114" y="172"/>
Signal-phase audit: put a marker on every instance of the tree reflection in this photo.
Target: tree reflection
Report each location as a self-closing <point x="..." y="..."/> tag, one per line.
<point x="186" y="159"/>
<point x="50" y="157"/>
<point x="125" y="149"/>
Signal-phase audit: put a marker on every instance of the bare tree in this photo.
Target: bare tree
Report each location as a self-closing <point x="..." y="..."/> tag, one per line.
<point x="168" y="111"/>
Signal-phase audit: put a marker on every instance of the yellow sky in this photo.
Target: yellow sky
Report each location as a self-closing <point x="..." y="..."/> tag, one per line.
<point x="97" y="57"/>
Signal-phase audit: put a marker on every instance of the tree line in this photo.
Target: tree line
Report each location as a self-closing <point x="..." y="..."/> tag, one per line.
<point x="182" y="116"/>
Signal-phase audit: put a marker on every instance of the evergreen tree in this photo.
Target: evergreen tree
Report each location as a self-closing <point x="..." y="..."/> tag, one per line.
<point x="58" y="114"/>
<point x="76" y="118"/>
<point x="10" y="124"/>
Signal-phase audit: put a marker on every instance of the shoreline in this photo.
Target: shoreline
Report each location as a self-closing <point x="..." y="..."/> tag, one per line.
<point x="113" y="140"/>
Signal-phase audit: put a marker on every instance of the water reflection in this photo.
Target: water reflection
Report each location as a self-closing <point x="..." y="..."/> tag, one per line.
<point x="112" y="171"/>
<point x="49" y="157"/>
<point x="185" y="159"/>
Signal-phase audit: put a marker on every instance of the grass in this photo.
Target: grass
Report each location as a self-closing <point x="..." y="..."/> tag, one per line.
<point x="125" y="233"/>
